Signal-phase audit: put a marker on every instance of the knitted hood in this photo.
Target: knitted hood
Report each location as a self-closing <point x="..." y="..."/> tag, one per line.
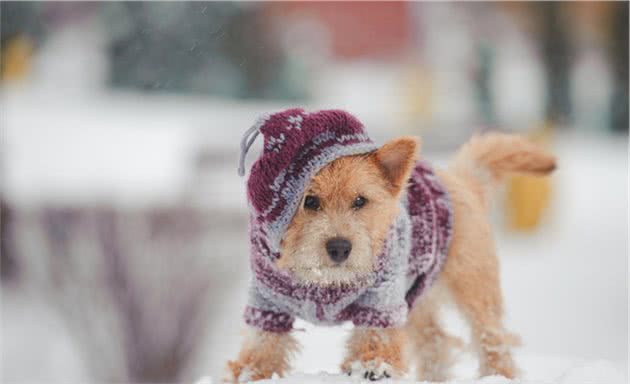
<point x="296" y="146"/>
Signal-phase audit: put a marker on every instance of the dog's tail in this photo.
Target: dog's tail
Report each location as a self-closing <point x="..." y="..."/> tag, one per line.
<point x="486" y="159"/>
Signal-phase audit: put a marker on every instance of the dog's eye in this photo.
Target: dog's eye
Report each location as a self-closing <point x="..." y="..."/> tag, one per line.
<point x="311" y="202"/>
<point x="359" y="202"/>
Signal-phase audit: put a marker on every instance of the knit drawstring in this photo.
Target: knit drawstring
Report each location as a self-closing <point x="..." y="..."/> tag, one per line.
<point x="246" y="142"/>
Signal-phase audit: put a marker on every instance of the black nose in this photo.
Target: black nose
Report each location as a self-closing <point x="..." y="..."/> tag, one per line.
<point x="338" y="249"/>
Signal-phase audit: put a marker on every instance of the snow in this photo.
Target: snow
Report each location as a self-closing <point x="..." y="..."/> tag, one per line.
<point x="38" y="338"/>
<point x="323" y="351"/>
<point x="595" y="372"/>
<point x="599" y="371"/>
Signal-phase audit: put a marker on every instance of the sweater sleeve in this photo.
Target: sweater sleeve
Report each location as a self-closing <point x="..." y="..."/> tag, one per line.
<point x="263" y="314"/>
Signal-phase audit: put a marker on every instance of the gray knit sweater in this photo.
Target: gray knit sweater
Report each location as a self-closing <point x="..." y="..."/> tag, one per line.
<point x="297" y="145"/>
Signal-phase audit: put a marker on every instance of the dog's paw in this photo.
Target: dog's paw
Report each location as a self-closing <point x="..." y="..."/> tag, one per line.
<point x="245" y="376"/>
<point x="241" y="373"/>
<point x="370" y="370"/>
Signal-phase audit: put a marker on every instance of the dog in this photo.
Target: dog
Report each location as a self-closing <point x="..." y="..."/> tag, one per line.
<point x="336" y="234"/>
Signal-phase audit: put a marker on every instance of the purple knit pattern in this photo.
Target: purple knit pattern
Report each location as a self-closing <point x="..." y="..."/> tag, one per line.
<point x="296" y="146"/>
<point x="429" y="208"/>
<point x="281" y="293"/>
<point x="270" y="321"/>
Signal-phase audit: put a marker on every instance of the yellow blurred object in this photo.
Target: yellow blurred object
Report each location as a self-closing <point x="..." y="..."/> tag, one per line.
<point x="418" y="92"/>
<point x="528" y="196"/>
<point x="16" y="58"/>
<point x="416" y="96"/>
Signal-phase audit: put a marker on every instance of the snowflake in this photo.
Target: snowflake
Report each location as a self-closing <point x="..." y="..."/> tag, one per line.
<point x="295" y="122"/>
<point x="275" y="144"/>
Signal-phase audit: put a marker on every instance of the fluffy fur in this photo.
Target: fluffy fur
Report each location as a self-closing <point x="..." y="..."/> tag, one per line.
<point x="378" y="177"/>
<point x="262" y="354"/>
<point x="470" y="276"/>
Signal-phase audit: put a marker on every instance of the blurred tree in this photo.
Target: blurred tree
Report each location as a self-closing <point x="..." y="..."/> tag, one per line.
<point x="557" y="56"/>
<point x="134" y="287"/>
<point x="219" y="48"/>
<point x="20" y="18"/>
<point x="8" y="260"/>
<point x="20" y="29"/>
<point x="485" y="56"/>
<point x="618" y="51"/>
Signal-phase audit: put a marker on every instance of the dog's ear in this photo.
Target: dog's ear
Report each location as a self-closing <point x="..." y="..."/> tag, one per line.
<point x="396" y="160"/>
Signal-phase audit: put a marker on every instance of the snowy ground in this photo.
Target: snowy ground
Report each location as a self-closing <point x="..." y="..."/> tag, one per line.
<point x="551" y="371"/>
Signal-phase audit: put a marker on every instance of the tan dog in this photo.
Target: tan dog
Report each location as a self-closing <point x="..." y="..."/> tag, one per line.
<point x="470" y="275"/>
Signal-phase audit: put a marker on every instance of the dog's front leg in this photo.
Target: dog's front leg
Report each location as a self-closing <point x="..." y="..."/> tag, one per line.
<point x="376" y="353"/>
<point x="262" y="354"/>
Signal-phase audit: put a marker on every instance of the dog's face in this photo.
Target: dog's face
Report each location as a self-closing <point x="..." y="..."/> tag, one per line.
<point x="345" y="214"/>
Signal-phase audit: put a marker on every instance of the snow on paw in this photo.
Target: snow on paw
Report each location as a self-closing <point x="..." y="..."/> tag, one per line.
<point x="245" y="376"/>
<point x="370" y="370"/>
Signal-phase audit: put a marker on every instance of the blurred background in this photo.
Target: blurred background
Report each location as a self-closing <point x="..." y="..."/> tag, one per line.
<point x="123" y="221"/>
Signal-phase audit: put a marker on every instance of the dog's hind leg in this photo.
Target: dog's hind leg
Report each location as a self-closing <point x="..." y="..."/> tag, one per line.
<point x="482" y="309"/>
<point x="471" y="274"/>
<point x="431" y="346"/>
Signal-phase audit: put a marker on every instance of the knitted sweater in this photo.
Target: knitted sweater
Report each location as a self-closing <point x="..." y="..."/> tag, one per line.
<point x="412" y="255"/>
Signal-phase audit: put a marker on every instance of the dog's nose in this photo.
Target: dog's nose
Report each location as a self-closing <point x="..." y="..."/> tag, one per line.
<point x="338" y="249"/>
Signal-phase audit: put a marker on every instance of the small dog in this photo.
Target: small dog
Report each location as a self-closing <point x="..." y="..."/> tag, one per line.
<point x="342" y="225"/>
